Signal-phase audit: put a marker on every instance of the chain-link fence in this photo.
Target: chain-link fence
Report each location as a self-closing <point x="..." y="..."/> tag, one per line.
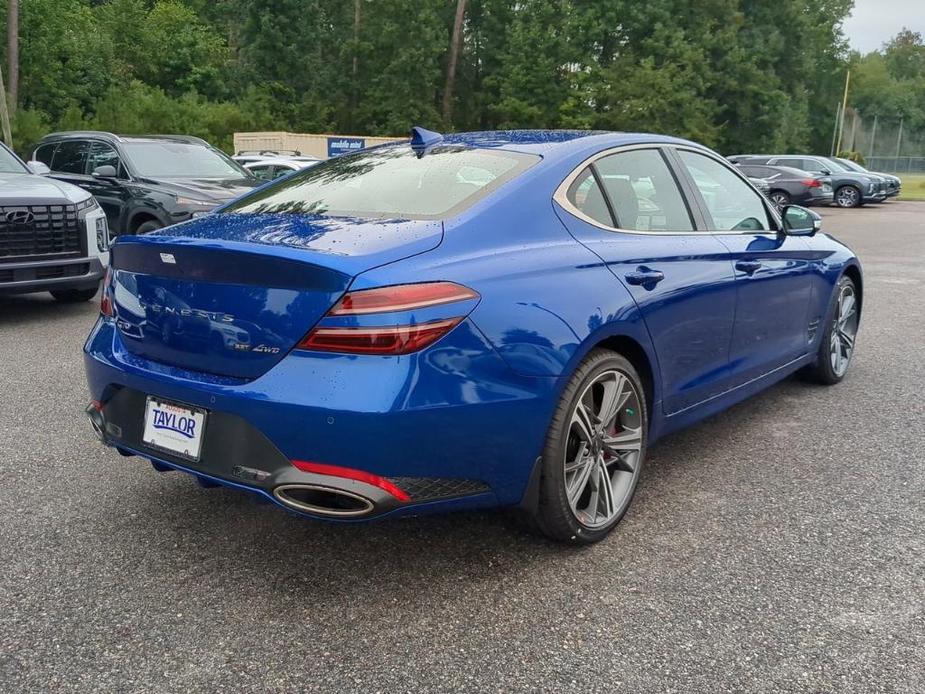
<point x="886" y="143"/>
<point x="896" y="165"/>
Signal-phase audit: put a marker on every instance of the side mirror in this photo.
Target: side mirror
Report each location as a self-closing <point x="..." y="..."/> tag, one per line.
<point x="798" y="221"/>
<point x="826" y="172"/>
<point x="38" y="168"/>
<point x="105" y="171"/>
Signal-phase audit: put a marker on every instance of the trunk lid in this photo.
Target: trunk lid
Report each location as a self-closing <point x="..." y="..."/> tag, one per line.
<point x="232" y="294"/>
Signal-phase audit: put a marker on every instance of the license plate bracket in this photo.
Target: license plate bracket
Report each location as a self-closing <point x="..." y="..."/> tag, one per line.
<point x="174" y="428"/>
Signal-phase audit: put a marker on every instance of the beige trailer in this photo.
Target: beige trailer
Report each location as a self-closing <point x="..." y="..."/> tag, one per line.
<point x="321" y="146"/>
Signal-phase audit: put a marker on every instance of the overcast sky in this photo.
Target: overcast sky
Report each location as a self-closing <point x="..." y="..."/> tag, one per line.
<point x="876" y="21"/>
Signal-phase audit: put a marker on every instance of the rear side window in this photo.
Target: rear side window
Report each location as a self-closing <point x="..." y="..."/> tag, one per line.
<point x="43" y="154"/>
<point x="391" y="182"/>
<point x="758" y="171"/>
<point x="795" y="163"/>
<point x="731" y="202"/>
<point x="642" y="191"/>
<point x="70" y="157"/>
<point x="588" y="198"/>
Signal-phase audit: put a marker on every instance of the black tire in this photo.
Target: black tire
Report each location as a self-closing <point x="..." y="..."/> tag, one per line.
<point x="779" y="198"/>
<point x="74" y="296"/>
<point x="553" y="515"/>
<point x="150" y="225"/>
<point x="823" y="370"/>
<point x="848" y="196"/>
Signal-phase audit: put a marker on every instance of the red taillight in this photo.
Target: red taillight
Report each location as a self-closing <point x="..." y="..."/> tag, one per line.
<point x="392" y="339"/>
<point x="811" y="183"/>
<point x="389" y="338"/>
<point x="105" y="299"/>
<point x="351" y="474"/>
<point x="400" y="297"/>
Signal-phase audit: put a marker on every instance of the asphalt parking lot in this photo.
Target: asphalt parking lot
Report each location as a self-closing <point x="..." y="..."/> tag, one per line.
<point x="777" y="547"/>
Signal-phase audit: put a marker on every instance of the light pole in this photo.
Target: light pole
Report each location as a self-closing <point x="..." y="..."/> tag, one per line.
<point x="844" y="105"/>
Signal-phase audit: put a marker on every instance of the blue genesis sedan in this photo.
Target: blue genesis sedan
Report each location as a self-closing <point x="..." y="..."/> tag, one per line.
<point x="497" y="319"/>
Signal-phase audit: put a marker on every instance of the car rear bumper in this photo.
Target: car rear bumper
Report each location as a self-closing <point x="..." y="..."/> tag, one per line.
<point x="452" y="427"/>
<point x="21" y="277"/>
<point x="819" y="198"/>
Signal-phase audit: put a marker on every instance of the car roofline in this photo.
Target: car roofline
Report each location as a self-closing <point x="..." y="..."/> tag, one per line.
<point x="112" y="137"/>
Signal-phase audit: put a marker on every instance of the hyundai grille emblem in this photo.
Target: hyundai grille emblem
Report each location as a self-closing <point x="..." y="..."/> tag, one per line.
<point x="19" y="217"/>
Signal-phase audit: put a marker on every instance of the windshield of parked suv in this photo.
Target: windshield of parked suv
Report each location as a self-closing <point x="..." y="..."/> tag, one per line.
<point x="836" y="165"/>
<point x="165" y="159"/>
<point x="390" y="182"/>
<point x="9" y="162"/>
<point x="851" y="166"/>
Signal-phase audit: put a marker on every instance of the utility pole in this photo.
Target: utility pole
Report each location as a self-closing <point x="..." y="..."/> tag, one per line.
<point x="355" y="68"/>
<point x="5" y="114"/>
<point x="844" y="105"/>
<point x="899" y="143"/>
<point x="854" y="130"/>
<point x="873" y="137"/>
<point x="835" y="129"/>
<point x="12" y="50"/>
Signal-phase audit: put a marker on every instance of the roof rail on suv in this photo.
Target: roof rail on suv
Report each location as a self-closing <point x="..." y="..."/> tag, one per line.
<point x="189" y="139"/>
<point x="84" y="133"/>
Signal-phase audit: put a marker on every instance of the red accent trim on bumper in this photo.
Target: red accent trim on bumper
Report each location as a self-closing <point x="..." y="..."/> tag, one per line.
<point x="351" y="474"/>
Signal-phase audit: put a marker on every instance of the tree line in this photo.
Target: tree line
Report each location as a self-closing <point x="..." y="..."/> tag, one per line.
<point x="738" y="75"/>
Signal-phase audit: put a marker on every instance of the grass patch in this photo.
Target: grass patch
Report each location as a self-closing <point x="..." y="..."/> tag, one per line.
<point x="913" y="187"/>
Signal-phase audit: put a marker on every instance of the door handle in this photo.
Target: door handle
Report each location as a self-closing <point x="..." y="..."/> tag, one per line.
<point x="749" y="267"/>
<point x="645" y="277"/>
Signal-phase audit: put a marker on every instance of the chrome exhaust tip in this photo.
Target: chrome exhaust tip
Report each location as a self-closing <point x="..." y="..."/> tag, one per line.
<point x="323" y="501"/>
<point x="96" y="421"/>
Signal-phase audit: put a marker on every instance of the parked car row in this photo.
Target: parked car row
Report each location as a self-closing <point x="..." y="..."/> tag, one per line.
<point x="817" y="180"/>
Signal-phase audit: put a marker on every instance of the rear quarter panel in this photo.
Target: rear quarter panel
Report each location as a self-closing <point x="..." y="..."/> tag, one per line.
<point x="546" y="300"/>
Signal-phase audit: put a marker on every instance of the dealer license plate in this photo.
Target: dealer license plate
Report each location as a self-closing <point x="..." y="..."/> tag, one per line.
<point x="174" y="428"/>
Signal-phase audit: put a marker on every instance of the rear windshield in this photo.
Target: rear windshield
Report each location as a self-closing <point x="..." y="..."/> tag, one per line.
<point x="166" y="159"/>
<point x="390" y="182"/>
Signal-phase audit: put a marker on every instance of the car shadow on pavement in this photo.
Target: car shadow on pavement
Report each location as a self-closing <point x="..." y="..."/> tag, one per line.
<point x="21" y="309"/>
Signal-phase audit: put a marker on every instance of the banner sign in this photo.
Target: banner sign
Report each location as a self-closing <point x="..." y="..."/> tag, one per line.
<point x="344" y="145"/>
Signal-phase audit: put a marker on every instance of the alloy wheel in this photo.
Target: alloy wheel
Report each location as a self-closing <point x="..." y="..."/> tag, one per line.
<point x="847" y="197"/>
<point x="602" y="455"/>
<point x="845" y="330"/>
<point x="779" y="200"/>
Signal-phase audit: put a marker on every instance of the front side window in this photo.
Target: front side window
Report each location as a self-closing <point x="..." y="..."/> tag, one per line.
<point x="168" y="159"/>
<point x="102" y="154"/>
<point x="642" y="191"/>
<point x="731" y="202"/>
<point x="44" y="153"/>
<point x="390" y="182"/>
<point x="818" y="166"/>
<point x="70" y="157"/>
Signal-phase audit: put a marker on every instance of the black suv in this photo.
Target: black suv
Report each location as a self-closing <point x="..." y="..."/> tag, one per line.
<point x="145" y="182"/>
